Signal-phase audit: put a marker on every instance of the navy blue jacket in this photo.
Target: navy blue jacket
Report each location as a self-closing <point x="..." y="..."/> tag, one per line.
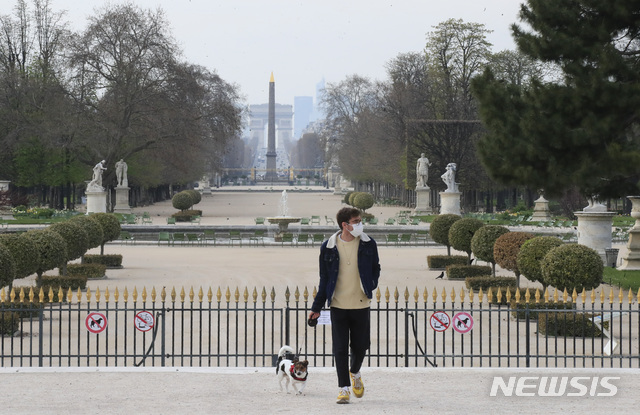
<point x="368" y="267"/>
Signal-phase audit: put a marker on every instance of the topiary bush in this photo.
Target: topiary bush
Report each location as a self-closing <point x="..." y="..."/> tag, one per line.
<point x="569" y="324"/>
<point x="93" y="229"/>
<point x="363" y="201"/>
<point x="75" y="237"/>
<point x="482" y="243"/>
<point x="572" y="266"/>
<point x="443" y="261"/>
<point x="110" y="227"/>
<point x="531" y="253"/>
<point x="196" y="197"/>
<point x="7" y="267"/>
<point x="62" y="281"/>
<point x="91" y="271"/>
<point x="109" y="261"/>
<point x="51" y="247"/>
<point x="486" y="281"/>
<point x="182" y="200"/>
<point x="439" y="229"/>
<point x="506" y="249"/>
<point x="460" y="272"/>
<point x="352" y="198"/>
<point x="347" y="197"/>
<point x="24" y="251"/>
<point x="461" y="232"/>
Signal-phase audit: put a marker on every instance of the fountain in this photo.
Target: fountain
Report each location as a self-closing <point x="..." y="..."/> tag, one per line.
<point x="283" y="219"/>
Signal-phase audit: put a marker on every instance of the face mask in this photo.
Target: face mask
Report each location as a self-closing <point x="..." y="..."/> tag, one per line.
<point x="357" y="229"/>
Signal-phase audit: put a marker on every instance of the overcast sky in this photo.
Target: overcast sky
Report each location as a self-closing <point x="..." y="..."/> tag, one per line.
<point x="304" y="41"/>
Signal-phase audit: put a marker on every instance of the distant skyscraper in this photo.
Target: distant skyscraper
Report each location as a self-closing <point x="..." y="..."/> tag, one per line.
<point x="302" y="110"/>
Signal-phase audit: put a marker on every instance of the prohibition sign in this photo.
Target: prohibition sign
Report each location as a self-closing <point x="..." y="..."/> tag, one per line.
<point x="96" y="322"/>
<point x="462" y="322"/>
<point x="144" y="321"/>
<point x="440" y="321"/>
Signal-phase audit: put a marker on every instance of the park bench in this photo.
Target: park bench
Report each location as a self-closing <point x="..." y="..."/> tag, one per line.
<point x="598" y="320"/>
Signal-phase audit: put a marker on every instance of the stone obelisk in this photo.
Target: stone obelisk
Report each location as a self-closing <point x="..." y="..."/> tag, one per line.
<point x="271" y="174"/>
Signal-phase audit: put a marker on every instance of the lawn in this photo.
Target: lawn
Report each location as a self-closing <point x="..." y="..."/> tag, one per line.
<point x="622" y="279"/>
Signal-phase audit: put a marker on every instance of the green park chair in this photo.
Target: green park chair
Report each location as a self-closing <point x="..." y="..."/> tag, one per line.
<point x="179" y="237"/>
<point x="415" y="221"/>
<point x="392" y="238"/>
<point x="234" y="236"/>
<point x="287" y="238"/>
<point x="126" y="237"/>
<point x="259" y="221"/>
<point x="329" y="220"/>
<point x="209" y="235"/>
<point x="305" y="221"/>
<point x="390" y="221"/>
<point x="257" y="237"/>
<point x="171" y="221"/>
<point x="193" y="239"/>
<point x="146" y="219"/>
<point x="373" y="221"/>
<point x="405" y="238"/>
<point x="303" y="239"/>
<point x="165" y="237"/>
<point x="317" y="238"/>
<point x="315" y="220"/>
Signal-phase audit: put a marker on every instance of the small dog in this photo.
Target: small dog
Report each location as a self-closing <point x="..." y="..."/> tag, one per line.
<point x="290" y="369"/>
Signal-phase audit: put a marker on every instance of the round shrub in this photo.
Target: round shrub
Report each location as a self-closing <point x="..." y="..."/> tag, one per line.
<point x="461" y="232"/>
<point x="531" y="254"/>
<point x="51" y="247"/>
<point x="484" y="239"/>
<point x="352" y="198"/>
<point x="24" y="251"/>
<point x="439" y="229"/>
<point x="7" y="267"/>
<point x="346" y="198"/>
<point x="196" y="197"/>
<point x="572" y="266"/>
<point x="110" y="227"/>
<point x="92" y="228"/>
<point x="75" y="237"/>
<point x="506" y="249"/>
<point x="363" y="200"/>
<point x="182" y="201"/>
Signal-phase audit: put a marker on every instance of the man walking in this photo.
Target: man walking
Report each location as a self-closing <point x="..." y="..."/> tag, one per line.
<point x="349" y="272"/>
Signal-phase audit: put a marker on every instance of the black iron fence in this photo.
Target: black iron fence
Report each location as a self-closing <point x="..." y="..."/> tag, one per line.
<point x="243" y="328"/>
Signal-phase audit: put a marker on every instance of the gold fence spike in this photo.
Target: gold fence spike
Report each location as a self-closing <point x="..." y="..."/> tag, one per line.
<point x="173" y="294"/>
<point x="378" y="294"/>
<point x="60" y="294"/>
<point x="245" y="295"/>
<point x="264" y="294"/>
<point x="98" y="295"/>
<point x="32" y="295"/>
<point x="547" y="295"/>
<point x="416" y="295"/>
<point x="425" y="295"/>
<point x="144" y="294"/>
<point x="273" y="294"/>
<point x="69" y="295"/>
<point x="453" y="295"/>
<point x="508" y="295"/>
<point x="227" y="294"/>
<point x="517" y="295"/>
<point x="601" y="296"/>
<point x="574" y="295"/>
<point x="620" y="296"/>
<point x="583" y="295"/>
<point x="444" y="295"/>
<point x="537" y="296"/>
<point x="163" y="294"/>
<point x="254" y="295"/>
<point x="2" y="295"/>
<point x="209" y="294"/>
<point x="192" y="294"/>
<point x="12" y="294"/>
<point x="387" y="295"/>
<point x="638" y="295"/>
<point x="470" y="296"/>
<point x="125" y="295"/>
<point x="461" y="295"/>
<point x="490" y="295"/>
<point x="406" y="294"/>
<point x="565" y="295"/>
<point x="499" y="295"/>
<point x="183" y="294"/>
<point x="630" y="298"/>
<point x="219" y="294"/>
<point x="610" y="295"/>
<point x="134" y="294"/>
<point x="434" y="295"/>
<point x="41" y="296"/>
<point x="287" y="294"/>
<point x="296" y="294"/>
<point x="154" y="294"/>
<point x="315" y="292"/>
<point x="200" y="295"/>
<point x="396" y="295"/>
<point x="555" y="296"/>
<point x="527" y="296"/>
<point x="22" y="295"/>
<point x="116" y="295"/>
<point x="305" y="294"/>
<point x="593" y="296"/>
<point x="106" y="295"/>
<point x="236" y="295"/>
<point x="480" y="295"/>
<point x="87" y="296"/>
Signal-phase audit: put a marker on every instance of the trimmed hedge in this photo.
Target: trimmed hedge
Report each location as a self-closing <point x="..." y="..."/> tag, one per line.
<point x="484" y="239"/>
<point x="182" y="201"/>
<point x="460" y="272"/>
<point x="9" y="323"/>
<point x="196" y="197"/>
<point x="531" y="254"/>
<point x="572" y="266"/>
<point x="363" y="200"/>
<point x="507" y="247"/>
<point x="486" y="281"/>
<point x="7" y="267"/>
<point x="443" y="261"/>
<point x="69" y="281"/>
<point x="568" y="325"/>
<point x="461" y="233"/>
<point x="346" y="197"/>
<point x="91" y="271"/>
<point x="51" y="247"/>
<point x="110" y="227"/>
<point x="93" y="229"/>
<point x="439" y="229"/>
<point x="24" y="251"/>
<point x="75" y="237"/>
<point x="25" y="309"/>
<point x="109" y="261"/>
<point x="186" y="215"/>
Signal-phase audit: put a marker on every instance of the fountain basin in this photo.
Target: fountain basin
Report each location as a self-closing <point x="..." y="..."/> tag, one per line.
<point x="283" y="224"/>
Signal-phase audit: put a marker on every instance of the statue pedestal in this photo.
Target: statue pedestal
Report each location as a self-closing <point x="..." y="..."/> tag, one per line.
<point x="631" y="260"/>
<point x="594" y="230"/>
<point x="96" y="201"/>
<point x="450" y="203"/>
<point x="541" y="210"/>
<point x="122" y="200"/>
<point x="423" y="201"/>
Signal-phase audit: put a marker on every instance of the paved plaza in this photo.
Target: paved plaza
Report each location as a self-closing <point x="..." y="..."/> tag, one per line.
<point x="255" y="390"/>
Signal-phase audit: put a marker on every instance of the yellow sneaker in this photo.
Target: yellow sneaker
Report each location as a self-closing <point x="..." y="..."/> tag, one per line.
<point x="343" y="395"/>
<point x="357" y="385"/>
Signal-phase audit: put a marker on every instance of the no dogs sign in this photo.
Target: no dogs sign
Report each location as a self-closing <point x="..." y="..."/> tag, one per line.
<point x="96" y="322"/>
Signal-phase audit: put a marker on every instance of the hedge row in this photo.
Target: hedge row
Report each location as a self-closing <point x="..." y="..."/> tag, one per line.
<point x="439" y="262"/>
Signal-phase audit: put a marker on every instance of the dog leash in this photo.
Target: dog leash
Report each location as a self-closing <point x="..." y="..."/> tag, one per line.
<point x="415" y="334"/>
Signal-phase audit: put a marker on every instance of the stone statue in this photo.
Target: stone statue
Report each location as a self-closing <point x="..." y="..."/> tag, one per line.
<point x="422" y="171"/>
<point x="121" y="174"/>
<point x="96" y="180"/>
<point x="449" y="178"/>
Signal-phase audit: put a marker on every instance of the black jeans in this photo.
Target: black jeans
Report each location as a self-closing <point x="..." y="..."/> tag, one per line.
<point x="349" y="326"/>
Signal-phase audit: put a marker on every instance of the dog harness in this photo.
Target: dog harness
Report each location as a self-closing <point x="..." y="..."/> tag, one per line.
<point x="293" y="375"/>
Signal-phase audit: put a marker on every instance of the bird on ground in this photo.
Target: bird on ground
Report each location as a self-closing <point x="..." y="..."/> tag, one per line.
<point x="439" y="277"/>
